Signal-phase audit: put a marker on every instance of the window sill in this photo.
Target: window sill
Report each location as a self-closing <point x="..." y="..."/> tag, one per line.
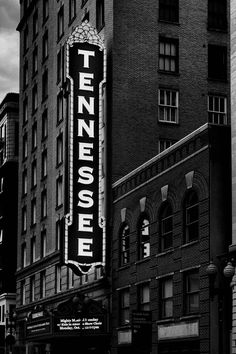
<point x="167" y="122"/>
<point x="166" y="320"/>
<point x="140" y="261"/>
<point x="190" y="316"/>
<point x="170" y="250"/>
<point x="189" y="244"/>
<point x="169" y="22"/>
<point x="218" y="30"/>
<point x="172" y="73"/>
<point x="215" y="79"/>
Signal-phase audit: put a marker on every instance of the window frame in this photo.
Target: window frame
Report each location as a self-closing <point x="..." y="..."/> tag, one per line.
<point x="144" y="304"/>
<point x="187" y="207"/>
<point x="168" y="57"/>
<point x="166" y="300"/>
<point x="60" y="23"/>
<point x="166" y="215"/>
<point x="217" y="62"/>
<point x="169" y="11"/>
<point x="216" y="116"/>
<point x="188" y="294"/>
<point x="124" y="305"/>
<point x="167" y="106"/>
<point x="217" y="15"/>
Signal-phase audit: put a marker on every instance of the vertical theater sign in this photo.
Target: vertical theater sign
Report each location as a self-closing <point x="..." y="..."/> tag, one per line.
<point x="84" y="240"/>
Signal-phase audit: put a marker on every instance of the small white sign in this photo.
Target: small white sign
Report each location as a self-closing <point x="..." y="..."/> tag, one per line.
<point x="181" y="330"/>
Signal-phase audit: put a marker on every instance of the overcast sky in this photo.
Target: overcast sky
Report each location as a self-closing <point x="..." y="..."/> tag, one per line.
<point x="9" y="47"/>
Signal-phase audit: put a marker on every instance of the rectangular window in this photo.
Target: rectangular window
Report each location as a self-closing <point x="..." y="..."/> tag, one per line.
<point x="43" y="284"/>
<point x="25" y="75"/>
<point x="45" y="85"/>
<point x="168" y="55"/>
<point x="44" y="204"/>
<point x="166" y="298"/>
<point x="60" y="23"/>
<point x="72" y="9"/>
<point x="71" y="278"/>
<point x="24" y="219"/>
<point x="192" y="292"/>
<point x="44" y="164"/>
<point x="217" y="109"/>
<point x="1" y="184"/>
<point x="45" y="124"/>
<point x="1" y="235"/>
<point x="34" y="136"/>
<point x="60" y="62"/>
<point x="24" y="182"/>
<point x="34" y="98"/>
<point x="168" y="106"/>
<point x="33" y="212"/>
<point x="23" y="255"/>
<point x="100" y="14"/>
<point x="217" y="62"/>
<point x="59" y="156"/>
<point x="58" y="279"/>
<point x="169" y="10"/>
<point x="58" y="234"/>
<point x="35" y="60"/>
<point x="164" y="144"/>
<point x="59" y="191"/>
<point x="60" y="107"/>
<point x="25" y="146"/>
<point x="45" y="46"/>
<point x="35" y="24"/>
<point x="34" y="174"/>
<point x="25" y="110"/>
<point x="43" y="243"/>
<point x="144" y="297"/>
<point x="26" y="39"/>
<point x="23" y="292"/>
<point x="45" y="10"/>
<point x="124" y="307"/>
<point x="33" y="249"/>
<point x="32" y="288"/>
<point x="217" y="14"/>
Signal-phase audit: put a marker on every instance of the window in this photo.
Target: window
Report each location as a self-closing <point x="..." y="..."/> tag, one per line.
<point x="1" y="184"/>
<point x="60" y="23"/>
<point x="24" y="219"/>
<point x="35" y="24"/>
<point x="26" y="39"/>
<point x="45" y="85"/>
<point x="124" y="307"/>
<point x="43" y="284"/>
<point x="34" y="98"/>
<point x="59" y="149"/>
<point x="124" y="245"/>
<point x="33" y="249"/>
<point x="217" y="109"/>
<point x="34" y="174"/>
<point x="45" y="10"/>
<point x="100" y="14"/>
<point x="58" y="234"/>
<point x="24" y="182"/>
<point x="164" y="144"/>
<point x="43" y="243"/>
<point x="25" y="75"/>
<point x="59" y="107"/>
<point x="168" y="106"/>
<point x="44" y="204"/>
<point x="169" y="10"/>
<point x="45" y="46"/>
<point x="217" y="62"/>
<point x="144" y="237"/>
<point x="44" y="164"/>
<point x="25" y="146"/>
<point x="45" y="124"/>
<point x="23" y="255"/>
<point x="16" y="139"/>
<point x="168" y="55"/>
<point x="32" y="288"/>
<point x="144" y="297"/>
<point x="166" y="298"/>
<point x="25" y="110"/>
<point x="191" y="216"/>
<point x="34" y="136"/>
<point x="35" y="60"/>
<point x="166" y="226"/>
<point x="60" y="62"/>
<point x="72" y="10"/>
<point x="33" y="212"/>
<point x="23" y="292"/>
<point x="191" y="291"/>
<point x="58" y="278"/>
<point x="217" y="14"/>
<point x="59" y="191"/>
<point x="71" y="278"/>
<point x="1" y="235"/>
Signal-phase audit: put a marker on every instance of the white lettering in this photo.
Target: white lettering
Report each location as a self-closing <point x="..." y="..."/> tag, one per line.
<point x="82" y="102"/>
<point x="86" y="54"/>
<point x="85" y="81"/>
<point x="84" y="247"/>
<point x="85" y="199"/>
<point x="83" y="126"/>
<point x="84" y="222"/>
<point x="85" y="151"/>
<point x="85" y="175"/>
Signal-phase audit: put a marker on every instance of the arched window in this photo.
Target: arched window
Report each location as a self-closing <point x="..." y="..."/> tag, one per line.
<point x="124" y="244"/>
<point x="144" y="237"/>
<point x="191" y="217"/>
<point x="166" y="226"/>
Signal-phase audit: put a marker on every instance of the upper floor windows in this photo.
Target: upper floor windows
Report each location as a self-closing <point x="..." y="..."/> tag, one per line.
<point x="166" y="226"/>
<point x="59" y="155"/>
<point x="60" y="107"/>
<point x="45" y="46"/>
<point x="45" y="124"/>
<point x="45" y="85"/>
<point x="72" y="10"/>
<point x="169" y="10"/>
<point x="144" y="297"/>
<point x="60" y="23"/>
<point x="34" y="98"/>
<point x="191" y="216"/>
<point x="124" y="245"/>
<point x="144" y="237"/>
<point x="168" y="106"/>
<point x="217" y="62"/>
<point x="217" y="109"/>
<point x="25" y="75"/>
<point x="169" y="55"/>
<point x="100" y="14"/>
<point x="191" y="292"/>
<point x="45" y="10"/>
<point x="35" y="24"/>
<point x="166" y="297"/>
<point x="35" y="60"/>
<point x="124" y="307"/>
<point x="60" y="61"/>
<point x="26" y="39"/>
<point x="25" y="110"/>
<point x="217" y="14"/>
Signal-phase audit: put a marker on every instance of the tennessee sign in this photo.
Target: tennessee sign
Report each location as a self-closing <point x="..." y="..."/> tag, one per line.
<point x="84" y="226"/>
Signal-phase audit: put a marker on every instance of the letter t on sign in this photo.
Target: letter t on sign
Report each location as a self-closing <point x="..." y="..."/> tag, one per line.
<point x="86" y="54"/>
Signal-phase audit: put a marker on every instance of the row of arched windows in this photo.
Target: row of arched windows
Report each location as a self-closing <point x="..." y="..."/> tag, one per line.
<point x="165" y="221"/>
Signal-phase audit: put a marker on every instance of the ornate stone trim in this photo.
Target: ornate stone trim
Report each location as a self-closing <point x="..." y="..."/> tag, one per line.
<point x="85" y="33"/>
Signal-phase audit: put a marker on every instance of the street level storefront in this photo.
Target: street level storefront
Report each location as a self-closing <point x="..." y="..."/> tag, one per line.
<point x="76" y="323"/>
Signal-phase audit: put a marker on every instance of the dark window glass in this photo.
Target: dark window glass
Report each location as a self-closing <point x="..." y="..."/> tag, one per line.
<point x="35" y="24"/>
<point x="72" y="9"/>
<point x="59" y="156"/>
<point x="217" y="14"/>
<point x="191" y="292"/>
<point x="45" y="46"/>
<point x="35" y="60"/>
<point x="60" y="23"/>
<point x="100" y="14"/>
<point x="144" y="297"/>
<point x="169" y="10"/>
<point x="124" y="307"/>
<point x="26" y="39"/>
<point x="166" y="298"/>
<point x="168" y="55"/>
<point x="45" y="10"/>
<point x="217" y="62"/>
<point x="45" y="124"/>
<point x="191" y="215"/>
<point x="45" y="85"/>
<point x="166" y="227"/>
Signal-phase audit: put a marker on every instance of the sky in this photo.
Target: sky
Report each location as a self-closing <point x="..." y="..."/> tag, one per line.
<point x="9" y="47"/>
